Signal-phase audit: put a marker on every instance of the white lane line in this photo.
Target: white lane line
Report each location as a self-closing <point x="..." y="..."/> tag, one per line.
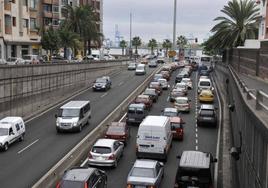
<point x="196" y="148"/>
<point x="84" y="163"/>
<point x="168" y="99"/>
<point x="196" y="141"/>
<point x="196" y="135"/>
<point x="123" y="117"/>
<point x="104" y="95"/>
<point x="121" y="83"/>
<point x="28" y="146"/>
<point x="196" y="129"/>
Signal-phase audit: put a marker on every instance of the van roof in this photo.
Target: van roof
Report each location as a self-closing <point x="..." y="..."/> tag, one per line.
<point x="75" y="104"/>
<point x="158" y="121"/>
<point x="195" y="159"/>
<point x="204" y="79"/>
<point x="140" y="105"/>
<point x="10" y="119"/>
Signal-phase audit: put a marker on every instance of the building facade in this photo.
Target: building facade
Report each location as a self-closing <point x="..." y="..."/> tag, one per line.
<point x="19" y="34"/>
<point x="263" y="19"/>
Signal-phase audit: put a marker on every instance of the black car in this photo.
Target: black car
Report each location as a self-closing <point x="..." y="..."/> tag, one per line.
<point x="207" y="115"/>
<point x="152" y="94"/>
<point x="180" y="76"/>
<point x="78" y="177"/>
<point x="103" y="83"/>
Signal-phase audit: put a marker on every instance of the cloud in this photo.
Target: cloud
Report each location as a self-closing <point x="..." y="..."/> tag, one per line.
<point x="154" y="18"/>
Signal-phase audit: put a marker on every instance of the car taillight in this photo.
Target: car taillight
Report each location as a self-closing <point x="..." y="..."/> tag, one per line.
<point x="89" y="155"/>
<point x="124" y="136"/>
<point x="129" y="186"/>
<point x="176" y="185"/>
<point x="85" y="186"/>
<point x="151" y="186"/>
<point x="58" y="185"/>
<point x="112" y="157"/>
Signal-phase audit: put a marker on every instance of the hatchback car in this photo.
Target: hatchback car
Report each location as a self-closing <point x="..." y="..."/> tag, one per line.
<point x="188" y="82"/>
<point x="151" y="93"/>
<point x="182" y="104"/>
<point x="103" y="83"/>
<point x="145" y="173"/>
<point x="165" y="75"/>
<point x="152" y="63"/>
<point x="206" y="95"/>
<point x="163" y="82"/>
<point x="177" y="92"/>
<point x="131" y="66"/>
<point x="157" y="86"/>
<point x="176" y="124"/>
<point x="105" y="152"/>
<point x="144" y="99"/>
<point x="118" y="131"/>
<point x="207" y="115"/>
<point x="170" y="112"/>
<point x="182" y="86"/>
<point x="83" y="177"/>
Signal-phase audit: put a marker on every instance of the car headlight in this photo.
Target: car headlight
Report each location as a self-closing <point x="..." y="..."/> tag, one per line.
<point x="94" y="86"/>
<point x="103" y="86"/>
<point x="74" y="124"/>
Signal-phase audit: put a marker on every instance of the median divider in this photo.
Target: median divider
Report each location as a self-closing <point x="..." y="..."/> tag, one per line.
<point x="80" y="151"/>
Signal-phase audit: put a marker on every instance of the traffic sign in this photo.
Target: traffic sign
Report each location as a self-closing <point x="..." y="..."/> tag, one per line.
<point x="172" y="53"/>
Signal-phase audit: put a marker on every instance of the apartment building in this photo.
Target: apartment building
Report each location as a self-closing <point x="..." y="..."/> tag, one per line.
<point x="263" y="19"/>
<point x="19" y="34"/>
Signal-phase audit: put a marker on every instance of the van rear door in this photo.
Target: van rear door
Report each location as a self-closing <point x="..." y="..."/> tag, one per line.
<point x="151" y="142"/>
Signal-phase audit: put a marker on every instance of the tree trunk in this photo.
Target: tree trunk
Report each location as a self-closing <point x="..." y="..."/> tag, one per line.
<point x="122" y="51"/>
<point x="152" y="50"/>
<point x="89" y="46"/>
<point x="85" y="48"/>
<point x="136" y="49"/>
<point x="65" y="52"/>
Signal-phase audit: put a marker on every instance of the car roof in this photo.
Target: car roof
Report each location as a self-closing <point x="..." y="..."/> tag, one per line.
<point x="204" y="79"/>
<point x="175" y="119"/>
<point x="170" y="110"/>
<point x="188" y="79"/>
<point x="143" y="96"/>
<point x="157" y="121"/>
<point x="10" y="119"/>
<point x="162" y="79"/>
<point x="78" y="174"/>
<point x="207" y="106"/>
<point x="145" y="163"/>
<point x="140" y="105"/>
<point x="206" y="91"/>
<point x="105" y="142"/>
<point x="75" y="104"/>
<point x="118" y="124"/>
<point x="181" y="98"/>
<point x="195" y="159"/>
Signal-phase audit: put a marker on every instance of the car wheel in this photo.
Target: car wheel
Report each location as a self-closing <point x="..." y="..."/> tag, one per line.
<point x="115" y="164"/>
<point x="6" y="146"/>
<point x="80" y="128"/>
<point x="21" y="138"/>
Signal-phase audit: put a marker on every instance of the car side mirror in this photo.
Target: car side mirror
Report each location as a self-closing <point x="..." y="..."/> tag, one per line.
<point x="56" y="116"/>
<point x="161" y="164"/>
<point x="178" y="156"/>
<point x="215" y="160"/>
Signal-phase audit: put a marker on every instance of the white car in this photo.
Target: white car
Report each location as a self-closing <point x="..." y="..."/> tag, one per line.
<point x="163" y="82"/>
<point x="3" y="62"/>
<point x="182" y="86"/>
<point x="188" y="82"/>
<point x="105" y="152"/>
<point x="15" y="61"/>
<point x="182" y="104"/>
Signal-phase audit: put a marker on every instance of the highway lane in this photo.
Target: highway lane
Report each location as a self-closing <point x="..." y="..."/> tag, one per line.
<point x="27" y="161"/>
<point x="195" y="138"/>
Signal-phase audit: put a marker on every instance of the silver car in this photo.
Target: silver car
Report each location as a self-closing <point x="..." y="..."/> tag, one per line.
<point x="145" y="173"/>
<point x="163" y="82"/>
<point x="105" y="152"/>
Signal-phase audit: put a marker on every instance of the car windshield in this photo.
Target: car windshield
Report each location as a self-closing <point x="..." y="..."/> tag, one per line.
<point x="176" y="125"/>
<point x="206" y="113"/>
<point x="181" y="101"/>
<point x="149" y="92"/>
<point x="69" y="112"/>
<point x="27" y="57"/>
<point x="204" y="83"/>
<point x="101" y="150"/>
<point x="3" y="131"/>
<point x="101" y="80"/>
<point x="143" y="172"/>
<point x="170" y="114"/>
<point x="116" y="129"/>
<point x="72" y="184"/>
<point x="140" y="68"/>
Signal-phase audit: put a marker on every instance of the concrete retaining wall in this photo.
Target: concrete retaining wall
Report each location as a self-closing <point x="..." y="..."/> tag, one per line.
<point x="28" y="89"/>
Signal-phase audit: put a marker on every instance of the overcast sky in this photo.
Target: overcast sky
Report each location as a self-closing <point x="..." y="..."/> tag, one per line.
<point x="154" y="18"/>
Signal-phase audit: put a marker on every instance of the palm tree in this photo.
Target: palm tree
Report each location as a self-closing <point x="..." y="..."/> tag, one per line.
<point x="181" y="42"/>
<point x="50" y="40"/>
<point x="166" y="45"/>
<point x="68" y="39"/>
<point x="239" y="24"/>
<point x="152" y="44"/>
<point x="123" y="45"/>
<point x="136" y="41"/>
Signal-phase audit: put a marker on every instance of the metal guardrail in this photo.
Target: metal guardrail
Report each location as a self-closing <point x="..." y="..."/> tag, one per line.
<point x="259" y="96"/>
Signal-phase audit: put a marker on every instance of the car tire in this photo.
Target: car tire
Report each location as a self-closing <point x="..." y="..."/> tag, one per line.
<point x="21" y="138"/>
<point x="80" y="128"/>
<point x="115" y="164"/>
<point x="6" y="146"/>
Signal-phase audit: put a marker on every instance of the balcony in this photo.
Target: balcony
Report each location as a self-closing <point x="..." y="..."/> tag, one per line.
<point x="33" y="13"/>
<point x="55" y="15"/>
<point x="47" y="1"/>
<point x="8" y="30"/>
<point x="55" y="2"/>
<point x="47" y="14"/>
<point x="7" y="6"/>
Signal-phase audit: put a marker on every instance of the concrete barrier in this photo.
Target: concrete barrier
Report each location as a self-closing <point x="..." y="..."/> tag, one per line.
<point x="80" y="151"/>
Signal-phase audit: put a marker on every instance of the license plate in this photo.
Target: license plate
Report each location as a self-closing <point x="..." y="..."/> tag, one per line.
<point x="100" y="158"/>
<point x="131" y="119"/>
<point x="207" y="118"/>
<point x="139" y="186"/>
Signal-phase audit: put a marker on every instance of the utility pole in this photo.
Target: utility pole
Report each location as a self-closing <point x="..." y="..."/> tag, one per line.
<point x="174" y="25"/>
<point x="130" y="36"/>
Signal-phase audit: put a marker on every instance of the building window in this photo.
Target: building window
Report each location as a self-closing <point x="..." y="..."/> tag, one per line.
<point x="14" y="21"/>
<point x="47" y="8"/>
<point x="33" y="23"/>
<point x="55" y="21"/>
<point x="24" y="50"/>
<point x="47" y="21"/>
<point x="33" y="4"/>
<point x="25" y="23"/>
<point x="25" y="3"/>
<point x="55" y="9"/>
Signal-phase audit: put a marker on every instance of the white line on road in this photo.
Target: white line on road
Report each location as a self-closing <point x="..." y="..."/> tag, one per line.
<point x="121" y="83"/>
<point x="196" y="148"/>
<point x="84" y="163"/>
<point x="168" y="99"/>
<point x="196" y="141"/>
<point x="28" y="146"/>
<point x="196" y="129"/>
<point x="123" y="117"/>
<point x="104" y="95"/>
<point x="196" y="135"/>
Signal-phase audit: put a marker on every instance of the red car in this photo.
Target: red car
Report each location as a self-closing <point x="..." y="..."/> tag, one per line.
<point x="157" y="87"/>
<point x="145" y="99"/>
<point x="177" y="127"/>
<point x="118" y="131"/>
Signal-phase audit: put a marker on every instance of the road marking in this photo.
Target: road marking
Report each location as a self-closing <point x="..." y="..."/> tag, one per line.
<point x="28" y="146"/>
<point x="84" y="163"/>
<point x="104" y="95"/>
<point x="196" y="148"/>
<point x="196" y="135"/>
<point x="121" y="83"/>
<point x="196" y="129"/>
<point x="196" y="141"/>
<point x="168" y="99"/>
<point x="123" y="117"/>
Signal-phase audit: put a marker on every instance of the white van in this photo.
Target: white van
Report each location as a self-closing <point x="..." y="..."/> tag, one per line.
<point x="154" y="138"/>
<point x="204" y="83"/>
<point x="140" y="69"/>
<point x="11" y="130"/>
<point x="73" y="116"/>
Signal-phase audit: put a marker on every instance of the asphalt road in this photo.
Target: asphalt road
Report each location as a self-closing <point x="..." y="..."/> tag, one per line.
<point x="195" y="138"/>
<point x="25" y="162"/>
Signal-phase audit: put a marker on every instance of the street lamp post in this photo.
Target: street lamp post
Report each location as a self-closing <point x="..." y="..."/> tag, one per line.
<point x="174" y="25"/>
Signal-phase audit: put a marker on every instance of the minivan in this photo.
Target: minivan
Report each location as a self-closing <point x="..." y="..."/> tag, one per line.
<point x="195" y="170"/>
<point x="136" y="113"/>
<point x="140" y="69"/>
<point x="73" y="115"/>
<point x="204" y="83"/>
<point x="154" y="138"/>
<point x="11" y="130"/>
